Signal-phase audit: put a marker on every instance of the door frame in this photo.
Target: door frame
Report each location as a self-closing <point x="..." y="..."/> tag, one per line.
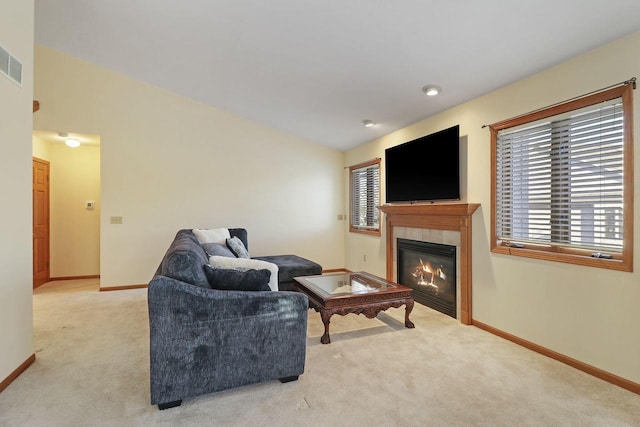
<point x="37" y="280"/>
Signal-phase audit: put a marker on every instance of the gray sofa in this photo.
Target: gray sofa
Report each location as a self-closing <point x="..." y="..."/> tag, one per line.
<point x="204" y="340"/>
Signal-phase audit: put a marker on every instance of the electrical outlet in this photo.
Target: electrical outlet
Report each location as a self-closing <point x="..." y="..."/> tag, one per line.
<point x="116" y="220"/>
<point x="340" y="217"/>
<point x="364" y="257"/>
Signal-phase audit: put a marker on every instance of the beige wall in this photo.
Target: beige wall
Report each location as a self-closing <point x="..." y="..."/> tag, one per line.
<point x="16" y="280"/>
<point x="586" y="313"/>
<point x="75" y="230"/>
<point x="41" y="148"/>
<point x="168" y="162"/>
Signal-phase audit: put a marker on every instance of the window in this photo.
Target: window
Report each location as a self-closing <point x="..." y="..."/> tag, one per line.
<point x="562" y="182"/>
<point x="364" y="186"/>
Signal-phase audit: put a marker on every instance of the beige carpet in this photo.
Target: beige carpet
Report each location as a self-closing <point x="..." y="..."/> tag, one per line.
<point x="92" y="369"/>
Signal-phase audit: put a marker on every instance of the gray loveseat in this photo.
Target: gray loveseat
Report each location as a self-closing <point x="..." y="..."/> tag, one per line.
<point x="204" y="340"/>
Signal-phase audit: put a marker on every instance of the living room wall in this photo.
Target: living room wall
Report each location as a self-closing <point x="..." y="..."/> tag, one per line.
<point x="585" y="313"/>
<point x="168" y="162"/>
<point x="16" y="280"/>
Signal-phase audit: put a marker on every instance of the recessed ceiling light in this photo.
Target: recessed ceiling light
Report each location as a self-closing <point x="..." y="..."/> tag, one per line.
<point x="368" y="123"/>
<point x="431" y="90"/>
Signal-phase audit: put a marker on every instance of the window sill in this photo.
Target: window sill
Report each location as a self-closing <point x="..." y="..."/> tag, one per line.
<point x="369" y="232"/>
<point x="550" y="254"/>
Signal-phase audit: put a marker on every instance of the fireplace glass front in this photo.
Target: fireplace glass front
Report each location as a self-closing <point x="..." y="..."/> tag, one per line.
<point x="430" y="270"/>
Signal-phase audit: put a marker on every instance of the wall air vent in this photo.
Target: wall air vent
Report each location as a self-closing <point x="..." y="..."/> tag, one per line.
<point x="10" y="66"/>
<point x="4" y="61"/>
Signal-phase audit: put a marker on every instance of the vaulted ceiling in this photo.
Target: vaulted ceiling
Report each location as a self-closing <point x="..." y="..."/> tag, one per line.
<point x="318" y="69"/>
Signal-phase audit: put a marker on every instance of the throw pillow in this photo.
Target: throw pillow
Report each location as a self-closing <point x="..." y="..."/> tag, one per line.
<point x="237" y="247"/>
<point x="247" y="264"/>
<point x="217" y="249"/>
<point x="213" y="235"/>
<point x="236" y="280"/>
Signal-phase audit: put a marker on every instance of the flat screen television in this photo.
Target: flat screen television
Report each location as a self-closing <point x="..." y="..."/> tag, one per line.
<point x="425" y="169"/>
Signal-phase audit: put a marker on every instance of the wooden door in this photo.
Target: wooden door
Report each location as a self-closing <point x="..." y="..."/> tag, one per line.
<point x="40" y="222"/>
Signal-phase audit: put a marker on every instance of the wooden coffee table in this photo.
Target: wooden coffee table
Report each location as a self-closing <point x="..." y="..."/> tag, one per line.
<point x="358" y="293"/>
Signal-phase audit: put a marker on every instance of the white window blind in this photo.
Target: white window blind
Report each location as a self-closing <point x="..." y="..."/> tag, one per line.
<point x="365" y="197"/>
<point x="559" y="181"/>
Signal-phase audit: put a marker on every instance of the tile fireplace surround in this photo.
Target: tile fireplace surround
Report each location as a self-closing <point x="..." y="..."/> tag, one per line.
<point x="446" y="223"/>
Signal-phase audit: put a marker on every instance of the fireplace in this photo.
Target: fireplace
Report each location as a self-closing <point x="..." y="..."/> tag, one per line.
<point x="447" y="223"/>
<point x="430" y="270"/>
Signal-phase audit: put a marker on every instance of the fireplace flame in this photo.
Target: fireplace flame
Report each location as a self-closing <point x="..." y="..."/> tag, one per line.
<point x="425" y="274"/>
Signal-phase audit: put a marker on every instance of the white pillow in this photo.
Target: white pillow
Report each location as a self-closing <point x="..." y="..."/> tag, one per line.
<point x="216" y="261"/>
<point x="213" y="235"/>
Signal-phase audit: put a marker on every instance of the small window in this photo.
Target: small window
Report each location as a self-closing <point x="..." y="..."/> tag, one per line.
<point x="364" y="186"/>
<point x="563" y="182"/>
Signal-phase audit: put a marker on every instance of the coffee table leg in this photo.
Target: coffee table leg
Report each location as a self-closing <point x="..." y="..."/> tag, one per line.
<point x="408" y="307"/>
<point x="325" y="315"/>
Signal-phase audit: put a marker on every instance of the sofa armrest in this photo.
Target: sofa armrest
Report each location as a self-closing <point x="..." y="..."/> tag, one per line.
<point x="204" y="340"/>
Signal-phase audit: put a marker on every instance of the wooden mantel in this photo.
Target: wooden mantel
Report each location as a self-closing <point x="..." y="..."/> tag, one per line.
<point x="437" y="216"/>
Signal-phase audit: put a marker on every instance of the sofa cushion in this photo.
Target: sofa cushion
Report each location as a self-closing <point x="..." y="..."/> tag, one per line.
<point x="240" y="233"/>
<point x="247" y="264"/>
<point x="211" y="235"/>
<point x="236" y="246"/>
<point x="290" y="266"/>
<point x="217" y="249"/>
<point x="236" y="280"/>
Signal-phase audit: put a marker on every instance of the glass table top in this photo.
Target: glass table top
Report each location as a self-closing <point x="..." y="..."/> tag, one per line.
<point x="348" y="283"/>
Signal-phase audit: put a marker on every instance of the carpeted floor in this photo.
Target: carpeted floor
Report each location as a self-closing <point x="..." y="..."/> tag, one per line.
<point x="92" y="369"/>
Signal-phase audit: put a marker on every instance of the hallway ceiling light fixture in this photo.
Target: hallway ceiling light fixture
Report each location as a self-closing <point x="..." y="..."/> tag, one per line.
<point x="70" y="142"/>
<point x="368" y="123"/>
<point x="431" y="90"/>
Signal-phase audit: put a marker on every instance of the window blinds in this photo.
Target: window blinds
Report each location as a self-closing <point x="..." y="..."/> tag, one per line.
<point x="559" y="181"/>
<point x="365" y="197"/>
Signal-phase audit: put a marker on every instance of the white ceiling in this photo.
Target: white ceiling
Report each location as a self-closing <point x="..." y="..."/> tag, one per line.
<point x="317" y="69"/>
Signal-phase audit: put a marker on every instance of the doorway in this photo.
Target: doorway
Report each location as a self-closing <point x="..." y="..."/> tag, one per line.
<point x="73" y="206"/>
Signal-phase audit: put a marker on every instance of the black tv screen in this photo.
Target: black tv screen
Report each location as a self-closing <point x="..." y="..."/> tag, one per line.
<point x="425" y="169"/>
